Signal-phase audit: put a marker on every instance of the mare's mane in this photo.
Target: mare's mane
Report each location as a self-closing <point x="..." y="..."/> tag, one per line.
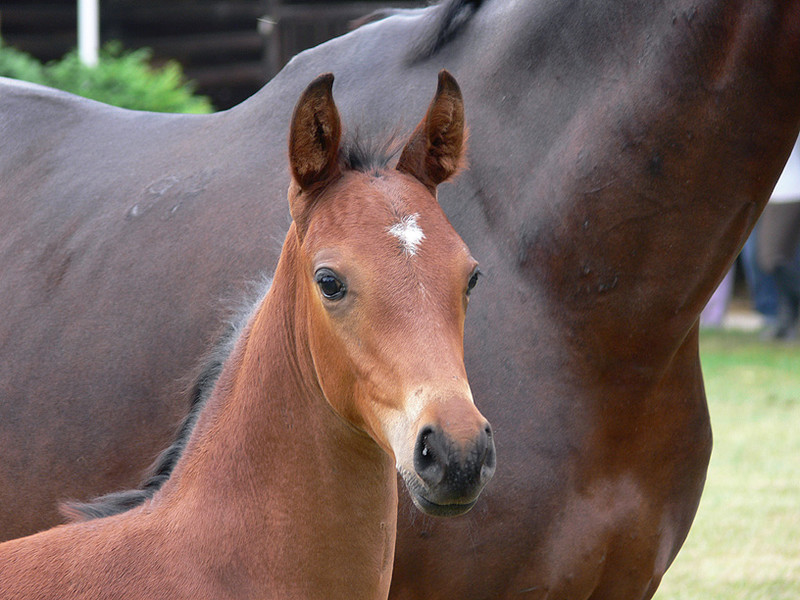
<point x="355" y="154"/>
<point x="443" y="23"/>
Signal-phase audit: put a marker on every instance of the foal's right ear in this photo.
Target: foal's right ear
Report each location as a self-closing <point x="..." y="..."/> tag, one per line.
<point x="314" y="135"/>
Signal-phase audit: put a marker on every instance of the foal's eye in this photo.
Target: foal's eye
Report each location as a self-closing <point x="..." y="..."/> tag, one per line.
<point x="473" y="280"/>
<point x="329" y="284"/>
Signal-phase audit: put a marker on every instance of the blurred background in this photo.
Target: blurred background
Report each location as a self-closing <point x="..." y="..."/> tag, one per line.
<point x="229" y="48"/>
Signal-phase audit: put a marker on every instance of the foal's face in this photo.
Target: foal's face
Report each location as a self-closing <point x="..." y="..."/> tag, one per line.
<point x="388" y="283"/>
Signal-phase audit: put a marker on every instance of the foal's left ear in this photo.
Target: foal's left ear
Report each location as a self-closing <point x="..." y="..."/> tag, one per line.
<point x="436" y="149"/>
<point x="314" y="135"/>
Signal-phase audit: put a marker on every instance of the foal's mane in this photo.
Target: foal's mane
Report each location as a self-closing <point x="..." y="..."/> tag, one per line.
<point x="355" y="153"/>
<point x="198" y="393"/>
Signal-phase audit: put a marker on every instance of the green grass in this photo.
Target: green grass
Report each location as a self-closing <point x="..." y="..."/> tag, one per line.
<point x="745" y="541"/>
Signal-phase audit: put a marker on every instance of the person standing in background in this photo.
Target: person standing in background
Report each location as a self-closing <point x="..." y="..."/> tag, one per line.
<point x="776" y="246"/>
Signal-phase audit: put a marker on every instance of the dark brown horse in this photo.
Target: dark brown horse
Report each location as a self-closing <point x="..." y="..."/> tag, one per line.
<point x="620" y="153"/>
<point x="351" y="364"/>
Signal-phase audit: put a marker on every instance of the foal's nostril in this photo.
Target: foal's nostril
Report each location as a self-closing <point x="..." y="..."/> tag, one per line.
<point x="488" y="459"/>
<point x="425" y="451"/>
<point x="489" y="454"/>
<point x="429" y="456"/>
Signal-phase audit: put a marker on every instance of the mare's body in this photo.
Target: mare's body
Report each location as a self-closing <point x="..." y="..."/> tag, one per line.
<point x="287" y="486"/>
<point x="620" y="153"/>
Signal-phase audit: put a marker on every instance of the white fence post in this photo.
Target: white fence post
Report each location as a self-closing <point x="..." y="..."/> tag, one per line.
<point x="88" y="31"/>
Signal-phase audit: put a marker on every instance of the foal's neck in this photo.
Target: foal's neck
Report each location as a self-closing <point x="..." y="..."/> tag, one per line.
<point x="287" y="495"/>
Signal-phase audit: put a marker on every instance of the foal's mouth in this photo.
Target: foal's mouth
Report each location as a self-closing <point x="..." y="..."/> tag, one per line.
<point x="441" y="510"/>
<point x="420" y="493"/>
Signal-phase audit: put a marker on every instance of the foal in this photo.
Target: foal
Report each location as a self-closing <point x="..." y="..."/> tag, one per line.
<point x="351" y="365"/>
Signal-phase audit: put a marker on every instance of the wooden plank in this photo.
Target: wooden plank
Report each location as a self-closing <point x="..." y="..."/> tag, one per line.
<point x="44" y="47"/>
<point x="38" y="17"/>
<point x="244" y="73"/>
<point x="335" y="10"/>
<point x="195" y="17"/>
<point x="208" y="46"/>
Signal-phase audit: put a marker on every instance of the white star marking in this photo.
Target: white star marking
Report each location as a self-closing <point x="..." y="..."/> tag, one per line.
<point x="409" y="233"/>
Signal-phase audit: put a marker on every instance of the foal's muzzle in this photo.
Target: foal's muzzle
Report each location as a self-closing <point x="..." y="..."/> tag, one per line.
<point x="448" y="474"/>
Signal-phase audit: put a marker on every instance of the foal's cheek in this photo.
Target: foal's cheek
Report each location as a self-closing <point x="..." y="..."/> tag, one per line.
<point x="335" y="372"/>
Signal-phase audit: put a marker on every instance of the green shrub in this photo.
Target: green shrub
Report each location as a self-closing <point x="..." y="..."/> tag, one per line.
<point x="122" y="78"/>
<point x="20" y="65"/>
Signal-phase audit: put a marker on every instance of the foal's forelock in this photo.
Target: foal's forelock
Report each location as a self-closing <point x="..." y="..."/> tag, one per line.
<point x="368" y="155"/>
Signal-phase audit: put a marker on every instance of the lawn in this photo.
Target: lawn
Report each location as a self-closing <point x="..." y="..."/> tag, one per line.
<point x="745" y="541"/>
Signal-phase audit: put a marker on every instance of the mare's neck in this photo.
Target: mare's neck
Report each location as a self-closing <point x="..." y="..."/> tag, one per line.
<point x="288" y="497"/>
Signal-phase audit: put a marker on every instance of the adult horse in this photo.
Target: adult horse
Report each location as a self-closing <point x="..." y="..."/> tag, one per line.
<point x="620" y="153"/>
<point x="351" y="364"/>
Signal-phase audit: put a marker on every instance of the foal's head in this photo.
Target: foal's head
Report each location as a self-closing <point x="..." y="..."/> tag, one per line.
<point x="385" y="283"/>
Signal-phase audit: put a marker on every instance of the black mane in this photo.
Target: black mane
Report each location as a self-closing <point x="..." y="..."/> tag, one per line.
<point x="367" y="156"/>
<point x="444" y="24"/>
<point x="161" y="470"/>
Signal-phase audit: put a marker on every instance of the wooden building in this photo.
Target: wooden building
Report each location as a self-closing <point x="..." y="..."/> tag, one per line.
<point x="230" y="48"/>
